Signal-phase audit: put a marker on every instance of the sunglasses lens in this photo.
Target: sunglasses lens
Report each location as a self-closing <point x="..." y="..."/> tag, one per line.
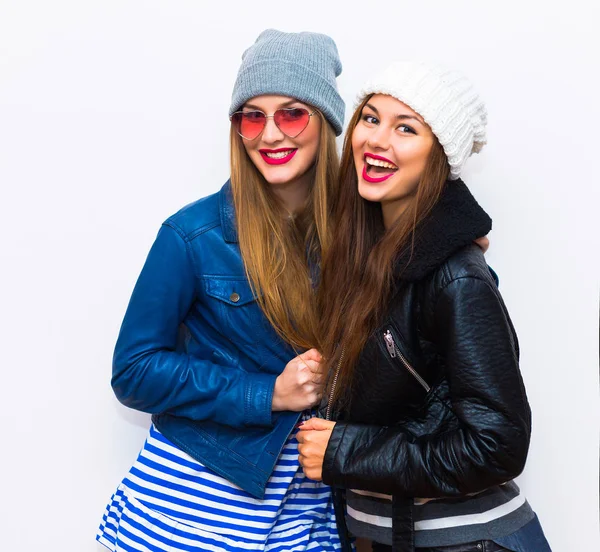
<point x="249" y="124"/>
<point x="292" y="121"/>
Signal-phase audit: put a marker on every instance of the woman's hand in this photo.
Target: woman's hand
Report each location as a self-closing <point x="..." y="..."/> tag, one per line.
<point x="313" y="438"/>
<point x="300" y="385"/>
<point x="483" y="243"/>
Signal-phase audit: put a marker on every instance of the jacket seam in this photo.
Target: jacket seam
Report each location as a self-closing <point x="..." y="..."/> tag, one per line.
<point x="337" y="451"/>
<point x="177" y="229"/>
<point x="188" y="252"/>
<point x="249" y="385"/>
<point x="452" y="281"/>
<point x="189" y="236"/>
<point x="209" y="226"/>
<point x="226" y="277"/>
<point x="447" y="273"/>
<point x="227" y="450"/>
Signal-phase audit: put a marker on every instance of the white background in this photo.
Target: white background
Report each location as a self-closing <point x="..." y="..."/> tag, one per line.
<point x="113" y="114"/>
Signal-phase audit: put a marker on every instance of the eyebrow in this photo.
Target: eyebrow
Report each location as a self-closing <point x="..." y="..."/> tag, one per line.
<point x="400" y="116"/>
<point x="283" y="105"/>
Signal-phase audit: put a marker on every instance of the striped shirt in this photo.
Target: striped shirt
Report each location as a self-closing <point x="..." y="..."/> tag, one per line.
<point x="169" y="501"/>
<point x="493" y="513"/>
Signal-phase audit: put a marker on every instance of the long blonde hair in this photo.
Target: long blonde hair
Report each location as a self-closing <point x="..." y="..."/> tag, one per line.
<point x="280" y="254"/>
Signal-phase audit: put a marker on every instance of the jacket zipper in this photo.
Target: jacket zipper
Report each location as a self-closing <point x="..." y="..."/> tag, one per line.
<point x="395" y="352"/>
<point x="335" y="378"/>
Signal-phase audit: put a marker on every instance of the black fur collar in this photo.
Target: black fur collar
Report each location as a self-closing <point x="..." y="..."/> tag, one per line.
<point x="454" y="222"/>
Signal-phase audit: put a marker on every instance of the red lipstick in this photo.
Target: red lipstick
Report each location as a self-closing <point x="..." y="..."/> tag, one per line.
<point x="279" y="160"/>
<point x="373" y="156"/>
<point x="373" y="179"/>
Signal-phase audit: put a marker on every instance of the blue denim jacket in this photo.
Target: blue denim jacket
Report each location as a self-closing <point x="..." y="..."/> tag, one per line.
<point x="196" y="351"/>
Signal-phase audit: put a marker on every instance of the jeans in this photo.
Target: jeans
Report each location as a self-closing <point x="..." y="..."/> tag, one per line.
<point x="529" y="538"/>
<point x="478" y="546"/>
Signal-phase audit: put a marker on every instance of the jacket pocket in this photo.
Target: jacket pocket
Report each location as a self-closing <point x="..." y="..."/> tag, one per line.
<point x="237" y="314"/>
<point x="394" y="352"/>
<point x="231" y="291"/>
<point x="432" y="413"/>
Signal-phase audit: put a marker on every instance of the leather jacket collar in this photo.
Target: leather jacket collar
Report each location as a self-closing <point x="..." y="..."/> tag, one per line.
<point x="456" y="220"/>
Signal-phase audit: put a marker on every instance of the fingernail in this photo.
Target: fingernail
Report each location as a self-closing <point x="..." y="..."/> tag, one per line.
<point x="300" y="424"/>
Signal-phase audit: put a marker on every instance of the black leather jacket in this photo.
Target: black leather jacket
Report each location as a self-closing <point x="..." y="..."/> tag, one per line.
<point x="438" y="404"/>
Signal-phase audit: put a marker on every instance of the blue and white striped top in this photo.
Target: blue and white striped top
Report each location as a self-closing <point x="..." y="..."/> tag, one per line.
<point x="169" y="501"/>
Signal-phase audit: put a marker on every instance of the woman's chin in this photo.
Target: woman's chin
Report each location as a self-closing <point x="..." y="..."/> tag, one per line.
<point x="369" y="191"/>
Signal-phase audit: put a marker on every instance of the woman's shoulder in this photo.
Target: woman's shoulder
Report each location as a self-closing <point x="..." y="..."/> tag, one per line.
<point x="199" y="216"/>
<point x="467" y="263"/>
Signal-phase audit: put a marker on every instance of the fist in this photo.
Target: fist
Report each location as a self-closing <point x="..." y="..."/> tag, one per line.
<point x="313" y="438"/>
<point x="300" y="385"/>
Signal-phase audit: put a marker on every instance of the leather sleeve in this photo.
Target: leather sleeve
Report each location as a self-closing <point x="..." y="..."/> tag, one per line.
<point x="151" y="376"/>
<point x="489" y="444"/>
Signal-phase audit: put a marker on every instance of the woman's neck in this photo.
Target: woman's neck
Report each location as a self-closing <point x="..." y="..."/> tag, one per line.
<point x="391" y="211"/>
<point x="294" y="194"/>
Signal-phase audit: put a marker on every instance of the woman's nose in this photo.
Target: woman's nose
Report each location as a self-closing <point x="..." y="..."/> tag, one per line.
<point x="271" y="132"/>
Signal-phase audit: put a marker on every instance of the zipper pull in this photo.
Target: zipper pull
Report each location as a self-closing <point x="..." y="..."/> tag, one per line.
<point x="389" y="343"/>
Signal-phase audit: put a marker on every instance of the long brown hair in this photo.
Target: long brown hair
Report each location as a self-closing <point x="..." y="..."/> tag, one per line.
<point x="357" y="272"/>
<point x="278" y="251"/>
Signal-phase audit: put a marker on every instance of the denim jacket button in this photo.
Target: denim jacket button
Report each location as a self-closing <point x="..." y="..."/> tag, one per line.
<point x="234" y="297"/>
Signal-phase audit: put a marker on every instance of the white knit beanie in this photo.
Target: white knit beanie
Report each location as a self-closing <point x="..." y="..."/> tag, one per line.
<point x="444" y="98"/>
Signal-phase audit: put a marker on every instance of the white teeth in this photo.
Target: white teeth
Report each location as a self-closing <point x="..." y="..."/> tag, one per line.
<point x="279" y="154"/>
<point x="379" y="163"/>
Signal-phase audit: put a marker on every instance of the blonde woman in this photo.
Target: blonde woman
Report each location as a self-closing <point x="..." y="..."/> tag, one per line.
<point x="208" y="342"/>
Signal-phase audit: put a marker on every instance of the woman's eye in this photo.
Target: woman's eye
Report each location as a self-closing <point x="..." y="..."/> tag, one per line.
<point x="294" y="113"/>
<point x="370" y="119"/>
<point x="253" y="115"/>
<point x="406" y="129"/>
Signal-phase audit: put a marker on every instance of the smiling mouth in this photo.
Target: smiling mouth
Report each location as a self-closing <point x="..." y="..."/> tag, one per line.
<point x="278" y="156"/>
<point x="377" y="168"/>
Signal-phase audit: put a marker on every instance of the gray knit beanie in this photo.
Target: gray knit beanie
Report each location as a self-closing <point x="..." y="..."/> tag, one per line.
<point x="300" y="65"/>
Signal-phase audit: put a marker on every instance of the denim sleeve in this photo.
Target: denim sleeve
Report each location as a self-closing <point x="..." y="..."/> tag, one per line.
<point x="151" y="376"/>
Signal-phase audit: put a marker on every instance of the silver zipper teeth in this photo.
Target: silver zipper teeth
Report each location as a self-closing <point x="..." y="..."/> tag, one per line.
<point x="392" y="346"/>
<point x="335" y="378"/>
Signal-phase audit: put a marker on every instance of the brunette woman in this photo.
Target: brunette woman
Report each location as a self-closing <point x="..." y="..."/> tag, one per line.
<point x="433" y="420"/>
<point x="208" y="342"/>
